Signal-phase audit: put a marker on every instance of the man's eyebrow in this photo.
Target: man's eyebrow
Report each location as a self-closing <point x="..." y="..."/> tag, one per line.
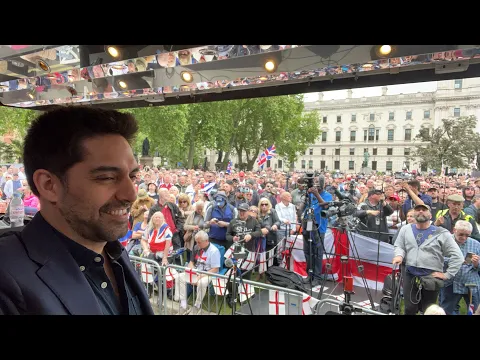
<point x="110" y="169"/>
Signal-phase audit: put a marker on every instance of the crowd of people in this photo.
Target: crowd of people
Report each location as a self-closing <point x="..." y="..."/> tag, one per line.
<point x="431" y="220"/>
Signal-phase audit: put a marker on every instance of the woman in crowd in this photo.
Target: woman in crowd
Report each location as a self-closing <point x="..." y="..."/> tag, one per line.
<point x="141" y="205"/>
<point x="137" y="234"/>
<point x="195" y="222"/>
<point x="153" y="191"/>
<point x="157" y="239"/>
<point x="30" y="202"/>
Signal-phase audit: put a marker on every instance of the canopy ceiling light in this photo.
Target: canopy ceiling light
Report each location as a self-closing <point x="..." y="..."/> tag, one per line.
<point x="42" y="64"/>
<point x="122" y="84"/>
<point x="186" y="76"/>
<point x="112" y="50"/>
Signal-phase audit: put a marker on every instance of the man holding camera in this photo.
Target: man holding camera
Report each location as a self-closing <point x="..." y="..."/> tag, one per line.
<point x="319" y="199"/>
<point x="373" y="213"/>
<point x="245" y="229"/>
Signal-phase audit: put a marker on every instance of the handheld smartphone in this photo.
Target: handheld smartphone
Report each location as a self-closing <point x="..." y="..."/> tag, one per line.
<point x="468" y="258"/>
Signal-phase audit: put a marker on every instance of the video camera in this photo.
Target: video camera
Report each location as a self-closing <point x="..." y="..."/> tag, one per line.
<point x="340" y="208"/>
<point x="308" y="179"/>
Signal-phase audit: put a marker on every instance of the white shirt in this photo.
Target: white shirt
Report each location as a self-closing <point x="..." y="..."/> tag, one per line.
<point x="286" y="213"/>
<point x="207" y="259"/>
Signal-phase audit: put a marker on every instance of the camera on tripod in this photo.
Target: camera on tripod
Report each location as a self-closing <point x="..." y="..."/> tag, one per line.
<point x="340" y="208"/>
<point x="239" y="251"/>
<point x="308" y="179"/>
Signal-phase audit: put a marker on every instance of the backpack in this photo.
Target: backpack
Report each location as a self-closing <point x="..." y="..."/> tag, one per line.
<point x="391" y="291"/>
<point x="281" y="277"/>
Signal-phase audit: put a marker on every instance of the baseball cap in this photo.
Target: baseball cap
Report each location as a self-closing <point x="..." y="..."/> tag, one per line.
<point x="455" y="197"/>
<point x="395" y="197"/>
<point x="241" y="174"/>
<point x="432" y="188"/>
<point x="243" y="207"/>
<point x="375" y="192"/>
<point x="422" y="206"/>
<point x="229" y="182"/>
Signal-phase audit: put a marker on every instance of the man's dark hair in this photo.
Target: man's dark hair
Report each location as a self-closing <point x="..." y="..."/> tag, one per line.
<point x="53" y="141"/>
<point x="415" y="184"/>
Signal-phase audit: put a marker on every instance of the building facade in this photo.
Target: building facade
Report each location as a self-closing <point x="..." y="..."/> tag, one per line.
<point x="384" y="126"/>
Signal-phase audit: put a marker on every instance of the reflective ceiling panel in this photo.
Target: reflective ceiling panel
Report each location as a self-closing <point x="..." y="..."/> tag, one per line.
<point x="211" y="69"/>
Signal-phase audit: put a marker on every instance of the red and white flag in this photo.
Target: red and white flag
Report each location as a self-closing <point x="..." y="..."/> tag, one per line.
<point x="170" y="276"/>
<point x="246" y="292"/>
<point x="262" y="267"/>
<point x="248" y="263"/>
<point x="220" y="286"/>
<point x="147" y="273"/>
<point x="308" y="303"/>
<point x="190" y="276"/>
<point x="276" y="302"/>
<point x="270" y="256"/>
<point x="229" y="253"/>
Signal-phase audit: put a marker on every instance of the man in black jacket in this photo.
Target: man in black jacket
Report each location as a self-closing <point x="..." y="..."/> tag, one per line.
<point x="173" y="217"/>
<point x="373" y="213"/>
<point x="68" y="260"/>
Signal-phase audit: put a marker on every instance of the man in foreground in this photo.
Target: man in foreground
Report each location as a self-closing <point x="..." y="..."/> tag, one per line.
<point x="68" y="259"/>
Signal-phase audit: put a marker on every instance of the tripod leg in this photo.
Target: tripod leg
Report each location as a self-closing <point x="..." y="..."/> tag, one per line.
<point x="245" y="290"/>
<point x="223" y="301"/>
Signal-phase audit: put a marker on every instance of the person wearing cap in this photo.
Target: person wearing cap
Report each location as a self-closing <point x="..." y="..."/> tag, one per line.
<point x="251" y="183"/>
<point x="241" y="178"/>
<point x="373" y="213"/>
<point x="436" y="204"/>
<point x="415" y="197"/>
<point x="448" y="217"/>
<point x="468" y="193"/>
<point x="455" y="289"/>
<point x="245" y="228"/>
<point x="217" y="218"/>
<point x="421" y="249"/>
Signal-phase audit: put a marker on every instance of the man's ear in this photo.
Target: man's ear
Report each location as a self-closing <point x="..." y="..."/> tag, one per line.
<point x="49" y="186"/>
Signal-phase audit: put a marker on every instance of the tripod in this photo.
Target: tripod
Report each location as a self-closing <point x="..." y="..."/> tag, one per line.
<point x="235" y="270"/>
<point x="344" y="230"/>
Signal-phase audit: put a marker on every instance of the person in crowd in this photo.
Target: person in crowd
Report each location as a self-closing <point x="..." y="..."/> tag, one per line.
<point x="157" y="239"/>
<point x="193" y="224"/>
<point x="153" y="191"/>
<point x="218" y="217"/>
<point x="472" y="210"/>
<point x="434" y="309"/>
<point x="373" y="213"/>
<point x="455" y="289"/>
<point x="423" y="247"/>
<point x="30" y="201"/>
<point x="437" y="205"/>
<point x="142" y="204"/>
<point x="415" y="197"/>
<point x="134" y="244"/>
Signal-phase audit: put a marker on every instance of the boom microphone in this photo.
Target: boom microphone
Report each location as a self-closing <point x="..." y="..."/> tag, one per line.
<point x="321" y="182"/>
<point x="228" y="263"/>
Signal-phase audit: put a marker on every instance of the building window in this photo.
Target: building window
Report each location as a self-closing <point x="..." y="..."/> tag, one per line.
<point x="458" y="84"/>
<point x="377" y="134"/>
<point x="409" y="115"/>
<point x="280" y="164"/>
<point x="337" y="151"/>
<point x="371" y="133"/>
<point x="339" y="118"/>
<point x="351" y="165"/>
<point x="408" y="134"/>
<point x="423" y="168"/>
<point x="374" y="151"/>
<point x="337" y="165"/>
<point x="303" y="164"/>
<point x="354" y="118"/>
<point x="352" y="151"/>
<point x="389" y="166"/>
<point x="426" y="114"/>
<point x="365" y="150"/>
<point x="390" y="135"/>
<point x="391" y="115"/>
<point x="322" y="165"/>
<point x="324" y="151"/>
<point x="324" y="119"/>
<point x="310" y="164"/>
<point x="338" y="135"/>
<point x="389" y="151"/>
<point x="456" y="112"/>
<point x="406" y="151"/>
<point x="372" y="117"/>
<point x="407" y="164"/>
<point x="353" y="135"/>
<point x="311" y="151"/>
<point x="374" y="165"/>
<point x="365" y="133"/>
<point x="269" y="163"/>
<point x="324" y="136"/>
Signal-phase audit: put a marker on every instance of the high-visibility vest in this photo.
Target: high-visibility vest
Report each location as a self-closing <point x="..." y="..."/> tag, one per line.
<point x="445" y="211"/>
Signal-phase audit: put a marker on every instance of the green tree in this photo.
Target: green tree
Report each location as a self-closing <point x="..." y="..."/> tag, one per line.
<point x="453" y="144"/>
<point x="15" y="120"/>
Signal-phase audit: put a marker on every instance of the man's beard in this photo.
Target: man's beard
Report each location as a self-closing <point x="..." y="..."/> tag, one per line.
<point x="84" y="223"/>
<point x="421" y="219"/>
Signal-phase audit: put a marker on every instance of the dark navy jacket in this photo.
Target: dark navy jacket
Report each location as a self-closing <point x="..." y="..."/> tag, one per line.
<point x="38" y="276"/>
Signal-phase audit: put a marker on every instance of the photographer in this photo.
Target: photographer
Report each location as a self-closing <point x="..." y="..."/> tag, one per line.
<point x="373" y="213"/>
<point x="244" y="228"/>
<point x="319" y="199"/>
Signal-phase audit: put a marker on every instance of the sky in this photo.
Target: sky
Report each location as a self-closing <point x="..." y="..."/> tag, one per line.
<point x="374" y="91"/>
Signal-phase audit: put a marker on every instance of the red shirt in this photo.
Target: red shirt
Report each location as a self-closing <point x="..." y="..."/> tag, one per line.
<point x="166" y="186"/>
<point x="167" y="214"/>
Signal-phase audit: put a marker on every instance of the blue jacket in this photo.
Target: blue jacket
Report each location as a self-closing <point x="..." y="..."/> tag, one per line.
<point x="217" y="232"/>
<point x="38" y="276"/>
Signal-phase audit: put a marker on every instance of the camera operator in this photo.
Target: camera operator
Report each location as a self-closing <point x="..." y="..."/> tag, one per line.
<point x="373" y="213"/>
<point x="319" y="201"/>
<point x="242" y="228"/>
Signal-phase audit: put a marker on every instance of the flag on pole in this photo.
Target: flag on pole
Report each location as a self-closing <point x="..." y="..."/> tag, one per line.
<point x="229" y="167"/>
<point x="267" y="154"/>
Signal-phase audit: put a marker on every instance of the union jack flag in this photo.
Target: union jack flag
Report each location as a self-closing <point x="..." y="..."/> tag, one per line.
<point x="229" y="167"/>
<point x="268" y="154"/>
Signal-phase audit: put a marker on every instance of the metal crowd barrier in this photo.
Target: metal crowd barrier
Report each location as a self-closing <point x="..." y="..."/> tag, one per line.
<point x="164" y="292"/>
<point x="357" y="308"/>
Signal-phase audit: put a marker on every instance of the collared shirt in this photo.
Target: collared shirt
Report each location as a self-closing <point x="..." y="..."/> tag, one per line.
<point x="467" y="273"/>
<point x="286" y="213"/>
<point x="91" y="265"/>
<point x="206" y="259"/>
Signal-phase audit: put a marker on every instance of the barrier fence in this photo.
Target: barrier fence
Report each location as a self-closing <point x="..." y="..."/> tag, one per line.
<point x="168" y="285"/>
